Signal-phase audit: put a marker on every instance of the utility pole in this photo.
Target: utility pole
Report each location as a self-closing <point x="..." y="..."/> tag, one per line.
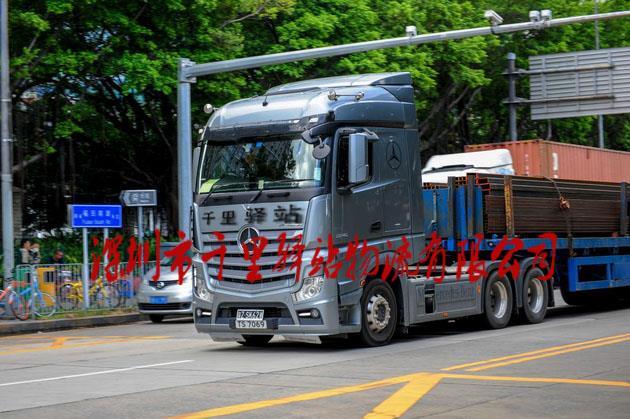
<point x="600" y="118"/>
<point x="7" y="144"/>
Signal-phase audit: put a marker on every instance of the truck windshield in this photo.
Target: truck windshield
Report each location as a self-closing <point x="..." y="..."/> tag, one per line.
<point x="271" y="164"/>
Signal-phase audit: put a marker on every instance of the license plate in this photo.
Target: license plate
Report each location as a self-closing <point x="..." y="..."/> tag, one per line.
<point x="251" y="324"/>
<point x="250" y="319"/>
<point x="158" y="300"/>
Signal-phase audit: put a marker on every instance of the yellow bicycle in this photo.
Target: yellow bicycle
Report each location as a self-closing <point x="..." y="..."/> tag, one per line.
<point x="102" y="295"/>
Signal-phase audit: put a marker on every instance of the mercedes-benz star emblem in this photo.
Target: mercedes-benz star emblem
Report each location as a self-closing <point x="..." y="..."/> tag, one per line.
<point x="393" y="155"/>
<point x="247" y="239"/>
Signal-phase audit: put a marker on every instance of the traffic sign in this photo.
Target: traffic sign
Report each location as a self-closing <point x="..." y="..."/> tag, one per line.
<point x="139" y="198"/>
<point x="95" y="216"/>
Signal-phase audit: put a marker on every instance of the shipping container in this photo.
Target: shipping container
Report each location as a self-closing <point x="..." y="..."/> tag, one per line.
<point x="564" y="161"/>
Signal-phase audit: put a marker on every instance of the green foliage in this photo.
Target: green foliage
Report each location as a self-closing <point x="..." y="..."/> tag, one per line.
<point x="106" y="75"/>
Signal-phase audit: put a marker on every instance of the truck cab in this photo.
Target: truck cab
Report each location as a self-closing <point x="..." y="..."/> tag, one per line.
<point x="320" y="162"/>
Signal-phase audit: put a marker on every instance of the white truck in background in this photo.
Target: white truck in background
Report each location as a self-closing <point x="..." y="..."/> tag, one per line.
<point x="440" y="167"/>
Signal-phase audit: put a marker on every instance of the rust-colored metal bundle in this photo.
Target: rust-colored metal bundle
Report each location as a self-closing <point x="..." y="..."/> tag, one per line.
<point x="527" y="206"/>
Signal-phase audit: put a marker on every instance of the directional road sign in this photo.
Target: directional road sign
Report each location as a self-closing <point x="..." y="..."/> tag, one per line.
<point x="139" y="198"/>
<point x="95" y="216"/>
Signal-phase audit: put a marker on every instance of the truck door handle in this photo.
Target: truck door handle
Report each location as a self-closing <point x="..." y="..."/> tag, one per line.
<point x="376" y="226"/>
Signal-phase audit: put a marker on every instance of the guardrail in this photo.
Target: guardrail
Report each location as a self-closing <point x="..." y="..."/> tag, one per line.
<point x="57" y="288"/>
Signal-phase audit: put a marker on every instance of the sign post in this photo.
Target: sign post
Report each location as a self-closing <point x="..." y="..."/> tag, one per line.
<point x="139" y="198"/>
<point x="92" y="216"/>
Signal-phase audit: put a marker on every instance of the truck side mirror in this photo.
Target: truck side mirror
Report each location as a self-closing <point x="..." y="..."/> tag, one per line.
<point x="357" y="158"/>
<point x="195" y="166"/>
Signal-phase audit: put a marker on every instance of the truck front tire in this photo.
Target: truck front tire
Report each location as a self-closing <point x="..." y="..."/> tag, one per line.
<point x="379" y="313"/>
<point x="498" y="301"/>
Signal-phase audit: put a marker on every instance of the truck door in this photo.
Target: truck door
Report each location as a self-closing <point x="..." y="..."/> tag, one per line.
<point x="357" y="209"/>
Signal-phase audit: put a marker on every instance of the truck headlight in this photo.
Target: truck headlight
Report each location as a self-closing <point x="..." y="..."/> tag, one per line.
<point x="199" y="284"/>
<point x="311" y="288"/>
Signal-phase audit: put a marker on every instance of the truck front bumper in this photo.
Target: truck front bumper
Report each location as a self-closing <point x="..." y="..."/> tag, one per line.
<point x="217" y="314"/>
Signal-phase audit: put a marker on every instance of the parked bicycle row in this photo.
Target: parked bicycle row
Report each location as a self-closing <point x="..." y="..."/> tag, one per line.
<point x="40" y="291"/>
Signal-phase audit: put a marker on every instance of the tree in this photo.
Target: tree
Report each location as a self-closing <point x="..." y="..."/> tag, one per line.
<point x="95" y="81"/>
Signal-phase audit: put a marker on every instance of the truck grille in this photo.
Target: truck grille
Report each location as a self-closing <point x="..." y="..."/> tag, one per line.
<point x="236" y="268"/>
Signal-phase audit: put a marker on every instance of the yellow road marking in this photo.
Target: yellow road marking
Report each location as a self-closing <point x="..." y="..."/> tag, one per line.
<point x="539" y="351"/>
<point x="538" y="380"/>
<point x="47" y="336"/>
<point x="401" y="401"/>
<point x="246" y="407"/>
<point x="419" y="384"/>
<point x="547" y="355"/>
<point x="59" y="343"/>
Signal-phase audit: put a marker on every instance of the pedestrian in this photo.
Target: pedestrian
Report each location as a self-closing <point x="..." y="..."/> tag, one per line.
<point x="57" y="258"/>
<point x="25" y="256"/>
<point x="35" y="255"/>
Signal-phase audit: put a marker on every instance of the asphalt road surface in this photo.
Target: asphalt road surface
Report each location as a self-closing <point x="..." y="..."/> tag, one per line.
<point x="575" y="364"/>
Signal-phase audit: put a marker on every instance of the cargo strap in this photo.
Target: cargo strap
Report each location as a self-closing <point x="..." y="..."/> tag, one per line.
<point x="565" y="208"/>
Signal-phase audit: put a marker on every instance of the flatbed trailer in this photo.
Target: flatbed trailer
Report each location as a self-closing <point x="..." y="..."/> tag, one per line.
<point x="582" y="264"/>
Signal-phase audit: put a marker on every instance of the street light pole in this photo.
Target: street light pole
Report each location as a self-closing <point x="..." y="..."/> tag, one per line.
<point x="7" y="144"/>
<point x="188" y="71"/>
<point x="184" y="147"/>
<point x="600" y="118"/>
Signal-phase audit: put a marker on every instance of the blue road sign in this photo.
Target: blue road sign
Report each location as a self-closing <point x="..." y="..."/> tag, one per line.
<point x="96" y="216"/>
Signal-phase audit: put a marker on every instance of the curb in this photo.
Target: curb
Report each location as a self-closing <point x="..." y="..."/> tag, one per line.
<point x="16" y="327"/>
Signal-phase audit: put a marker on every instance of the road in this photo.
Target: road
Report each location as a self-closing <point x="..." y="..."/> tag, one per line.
<point x="575" y="364"/>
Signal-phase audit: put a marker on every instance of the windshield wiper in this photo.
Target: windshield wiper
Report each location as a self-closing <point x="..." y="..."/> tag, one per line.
<point x="215" y="188"/>
<point x="267" y="182"/>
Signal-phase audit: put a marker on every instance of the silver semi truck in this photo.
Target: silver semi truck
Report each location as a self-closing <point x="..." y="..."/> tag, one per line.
<point x="337" y="159"/>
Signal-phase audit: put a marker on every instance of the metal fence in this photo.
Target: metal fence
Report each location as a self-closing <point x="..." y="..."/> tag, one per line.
<point x="58" y="288"/>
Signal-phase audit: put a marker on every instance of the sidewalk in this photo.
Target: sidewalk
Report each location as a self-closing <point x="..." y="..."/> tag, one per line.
<point x="10" y="327"/>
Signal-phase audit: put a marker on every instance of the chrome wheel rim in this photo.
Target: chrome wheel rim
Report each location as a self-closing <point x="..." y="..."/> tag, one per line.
<point x="498" y="299"/>
<point x="378" y="313"/>
<point x="535" y="296"/>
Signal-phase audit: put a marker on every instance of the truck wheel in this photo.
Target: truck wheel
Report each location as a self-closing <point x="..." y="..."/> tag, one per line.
<point x="255" y="340"/>
<point x="156" y="318"/>
<point x="497" y="301"/>
<point x="535" y="297"/>
<point x="379" y="314"/>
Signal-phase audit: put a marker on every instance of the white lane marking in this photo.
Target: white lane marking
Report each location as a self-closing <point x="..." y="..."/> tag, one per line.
<point x="63" y="377"/>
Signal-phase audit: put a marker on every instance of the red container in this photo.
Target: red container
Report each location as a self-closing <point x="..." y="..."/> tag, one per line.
<point x="564" y="161"/>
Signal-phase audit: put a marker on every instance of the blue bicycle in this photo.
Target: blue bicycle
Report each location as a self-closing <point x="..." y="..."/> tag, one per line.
<point x="41" y="304"/>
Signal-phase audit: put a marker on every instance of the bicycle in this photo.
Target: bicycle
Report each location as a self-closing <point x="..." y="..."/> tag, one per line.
<point x="102" y="295"/>
<point x="16" y="303"/>
<point x="41" y="304"/>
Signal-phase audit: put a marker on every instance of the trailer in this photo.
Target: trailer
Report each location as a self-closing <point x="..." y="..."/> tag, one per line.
<point x="592" y="258"/>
